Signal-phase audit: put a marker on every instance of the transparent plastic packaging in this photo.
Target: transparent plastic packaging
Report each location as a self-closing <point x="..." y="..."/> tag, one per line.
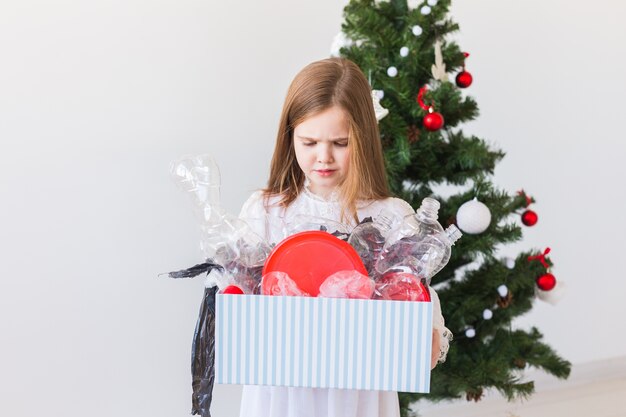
<point x="401" y="286"/>
<point x="246" y="279"/>
<point x="420" y="245"/>
<point x="280" y="283"/>
<point x="347" y="284"/>
<point x="224" y="238"/>
<point x="368" y="239"/>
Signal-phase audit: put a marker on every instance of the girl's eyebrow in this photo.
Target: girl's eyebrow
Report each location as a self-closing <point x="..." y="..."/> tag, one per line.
<point x="314" y="139"/>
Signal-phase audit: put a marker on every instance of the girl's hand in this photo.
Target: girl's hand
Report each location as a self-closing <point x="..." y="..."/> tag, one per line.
<point x="436" y="351"/>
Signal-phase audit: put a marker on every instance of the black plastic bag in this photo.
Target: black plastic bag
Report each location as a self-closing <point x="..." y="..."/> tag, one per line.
<point x="203" y="347"/>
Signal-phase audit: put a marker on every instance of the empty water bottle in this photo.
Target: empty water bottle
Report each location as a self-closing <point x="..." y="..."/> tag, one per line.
<point x="368" y="239"/>
<point x="419" y="245"/>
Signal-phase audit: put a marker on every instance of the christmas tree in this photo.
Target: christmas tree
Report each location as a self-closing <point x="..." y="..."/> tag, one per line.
<point x="404" y="50"/>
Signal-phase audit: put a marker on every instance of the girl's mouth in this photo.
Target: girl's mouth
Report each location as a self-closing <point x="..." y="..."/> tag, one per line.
<point x="325" y="172"/>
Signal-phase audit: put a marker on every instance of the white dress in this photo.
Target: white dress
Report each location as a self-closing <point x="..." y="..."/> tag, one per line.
<point x="269" y="401"/>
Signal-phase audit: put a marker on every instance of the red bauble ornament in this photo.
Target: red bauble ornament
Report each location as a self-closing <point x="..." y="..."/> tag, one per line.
<point x="529" y="218"/>
<point x="433" y="121"/>
<point x="546" y="282"/>
<point x="464" y="79"/>
<point x="232" y="289"/>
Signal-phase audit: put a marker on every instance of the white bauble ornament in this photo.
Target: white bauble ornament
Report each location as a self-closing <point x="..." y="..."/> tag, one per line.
<point x="413" y="4"/>
<point x="378" y="109"/>
<point x="554" y="295"/>
<point x="487" y="314"/>
<point x="509" y="262"/>
<point x="404" y="51"/>
<point x="432" y="2"/>
<point x="503" y="290"/>
<point x="473" y="217"/>
<point x="341" y="40"/>
<point x="392" y="71"/>
<point x="417" y="30"/>
<point x="425" y="10"/>
<point x="470" y="333"/>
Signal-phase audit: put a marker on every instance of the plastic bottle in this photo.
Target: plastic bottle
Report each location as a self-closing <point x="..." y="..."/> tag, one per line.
<point x="368" y="239"/>
<point x="225" y="239"/>
<point x="420" y="245"/>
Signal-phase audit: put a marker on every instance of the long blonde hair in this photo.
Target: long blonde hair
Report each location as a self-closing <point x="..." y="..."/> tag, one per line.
<point x="319" y="86"/>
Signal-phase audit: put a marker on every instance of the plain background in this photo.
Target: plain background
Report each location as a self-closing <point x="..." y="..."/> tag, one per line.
<point x="97" y="97"/>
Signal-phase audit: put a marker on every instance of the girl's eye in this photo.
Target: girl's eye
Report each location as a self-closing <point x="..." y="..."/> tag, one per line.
<point x="309" y="143"/>
<point x="341" y="144"/>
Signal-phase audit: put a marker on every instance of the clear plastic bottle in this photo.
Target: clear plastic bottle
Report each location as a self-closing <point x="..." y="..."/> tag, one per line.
<point x="224" y="238"/>
<point x="368" y="239"/>
<point x="419" y="245"/>
<point x="432" y="253"/>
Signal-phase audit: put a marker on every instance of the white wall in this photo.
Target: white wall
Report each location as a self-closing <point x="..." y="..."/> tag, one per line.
<point x="96" y="98"/>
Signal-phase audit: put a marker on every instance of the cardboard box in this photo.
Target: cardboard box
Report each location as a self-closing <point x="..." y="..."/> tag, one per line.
<point x="323" y="342"/>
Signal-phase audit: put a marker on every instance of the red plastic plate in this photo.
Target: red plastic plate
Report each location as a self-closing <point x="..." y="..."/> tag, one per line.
<point x="311" y="257"/>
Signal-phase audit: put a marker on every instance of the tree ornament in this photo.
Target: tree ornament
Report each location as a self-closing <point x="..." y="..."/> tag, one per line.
<point x="341" y="40"/>
<point x="541" y="258"/>
<point x="504" y="302"/>
<point x="413" y="133"/>
<point x="232" y="289"/>
<point x="487" y="314"/>
<point x="432" y="121"/>
<point x="474" y="395"/>
<point x="470" y="333"/>
<point x="413" y="4"/>
<point x="378" y="109"/>
<point x="438" y="69"/>
<point x="509" y="262"/>
<point x="432" y="2"/>
<point x="546" y="282"/>
<point x="392" y="71"/>
<point x="417" y="30"/>
<point x="404" y="51"/>
<point x="425" y="10"/>
<point x="554" y="295"/>
<point x="529" y="218"/>
<point x="519" y="363"/>
<point x="473" y="217"/>
<point x="464" y="78"/>
<point x="503" y="291"/>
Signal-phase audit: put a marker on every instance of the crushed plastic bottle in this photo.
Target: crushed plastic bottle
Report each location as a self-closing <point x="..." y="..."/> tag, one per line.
<point x="280" y="283"/>
<point x="368" y="239"/>
<point x="347" y="284"/>
<point x="225" y="238"/>
<point x="420" y="245"/>
<point x="401" y="286"/>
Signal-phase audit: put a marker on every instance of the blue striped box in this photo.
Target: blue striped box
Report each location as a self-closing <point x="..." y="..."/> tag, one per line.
<point x="323" y="342"/>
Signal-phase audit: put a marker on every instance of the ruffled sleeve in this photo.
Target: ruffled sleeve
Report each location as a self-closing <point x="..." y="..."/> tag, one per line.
<point x="254" y="213"/>
<point x="439" y="324"/>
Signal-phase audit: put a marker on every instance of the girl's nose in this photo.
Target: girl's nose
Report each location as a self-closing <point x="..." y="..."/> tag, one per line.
<point x="325" y="156"/>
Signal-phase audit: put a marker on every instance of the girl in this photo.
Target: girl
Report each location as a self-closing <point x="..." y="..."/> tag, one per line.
<point x="328" y="162"/>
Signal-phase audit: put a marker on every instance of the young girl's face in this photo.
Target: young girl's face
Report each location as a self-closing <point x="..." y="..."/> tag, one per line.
<point x="321" y="146"/>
